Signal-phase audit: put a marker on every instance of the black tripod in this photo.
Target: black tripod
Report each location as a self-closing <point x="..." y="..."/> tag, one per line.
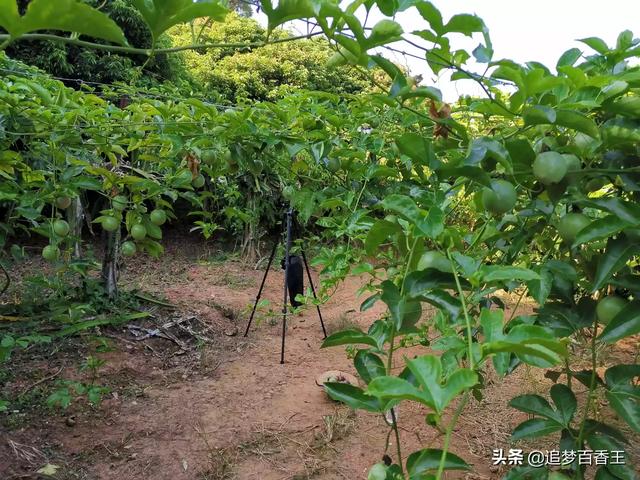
<point x="288" y="224"/>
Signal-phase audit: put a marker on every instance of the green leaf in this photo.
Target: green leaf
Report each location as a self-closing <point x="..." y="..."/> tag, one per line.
<point x="404" y="312"/>
<point x="420" y="282"/>
<point x="532" y="344"/>
<point x="383" y="32"/>
<point x="354" y="397"/>
<point x="617" y="253"/>
<point x="444" y="301"/>
<point x="378" y="234"/>
<point x="627" y="211"/>
<point x="565" y="402"/>
<point x="427" y="369"/>
<point x="395" y="388"/>
<point x="407" y="208"/>
<point x="537" y="427"/>
<point x="432" y="15"/>
<point x="539" y="115"/>
<point x="9" y="16"/>
<point x="543" y="115"/>
<point x="418" y="148"/>
<point x="388" y="7"/>
<point x="428" y="460"/>
<point x="499" y="273"/>
<point x="622" y="394"/>
<point x="369" y="302"/>
<point x="569" y="57"/>
<point x="160" y="15"/>
<point x="65" y="15"/>
<point x="604" y="442"/>
<point x="368" y="365"/>
<point x="577" y="121"/>
<point x="492" y="322"/>
<point x="536" y="405"/>
<point x="423" y="92"/>
<point x="624" y="324"/>
<point x="378" y="472"/>
<point x="599" y="229"/>
<point x="596" y="43"/>
<point x="348" y="337"/>
<point x="465" y="23"/>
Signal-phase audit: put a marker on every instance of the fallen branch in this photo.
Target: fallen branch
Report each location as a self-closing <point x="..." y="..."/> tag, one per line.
<point x="41" y="381"/>
<point x="155" y="300"/>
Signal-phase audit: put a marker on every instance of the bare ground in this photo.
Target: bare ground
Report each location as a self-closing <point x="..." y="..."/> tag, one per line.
<point x="227" y="409"/>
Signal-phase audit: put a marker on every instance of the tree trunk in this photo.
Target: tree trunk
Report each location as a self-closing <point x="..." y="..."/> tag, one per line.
<point x="251" y="240"/>
<point x="110" y="264"/>
<point x="75" y="217"/>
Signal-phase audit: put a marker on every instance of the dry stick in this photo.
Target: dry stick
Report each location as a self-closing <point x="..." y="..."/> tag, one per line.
<point x="45" y="379"/>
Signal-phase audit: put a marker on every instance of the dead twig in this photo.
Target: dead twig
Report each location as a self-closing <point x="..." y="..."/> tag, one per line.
<point x="39" y="382"/>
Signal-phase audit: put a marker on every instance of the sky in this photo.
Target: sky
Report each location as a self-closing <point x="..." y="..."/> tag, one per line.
<point x="538" y="30"/>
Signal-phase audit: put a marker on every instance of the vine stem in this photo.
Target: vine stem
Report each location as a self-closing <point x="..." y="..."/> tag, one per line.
<point x="592" y="387"/>
<point x="464" y="309"/>
<point x="7" y="40"/>
<point x="447" y="438"/>
<point x="390" y="357"/>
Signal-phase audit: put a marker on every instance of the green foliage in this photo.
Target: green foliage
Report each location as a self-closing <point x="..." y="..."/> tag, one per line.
<point x="382" y="176"/>
<point x="263" y="73"/>
<point x="88" y="64"/>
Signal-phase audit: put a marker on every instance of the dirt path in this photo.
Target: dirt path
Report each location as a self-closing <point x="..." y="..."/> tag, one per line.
<point x="239" y="414"/>
<point x="251" y="417"/>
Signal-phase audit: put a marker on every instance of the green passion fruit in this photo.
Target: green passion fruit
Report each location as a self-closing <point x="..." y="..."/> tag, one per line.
<point x="61" y="228"/>
<point x="110" y="224"/>
<point x="208" y="156"/>
<point x="158" y="217"/>
<point x="128" y="249"/>
<point x="63" y="202"/>
<point x="333" y="164"/>
<point x="138" y="232"/>
<point x="198" y="182"/>
<point x="608" y="307"/>
<point x="571" y="224"/>
<point x="500" y="198"/>
<point x="550" y="167"/>
<point x="50" y="253"/>
<point x="119" y="202"/>
<point x="574" y="165"/>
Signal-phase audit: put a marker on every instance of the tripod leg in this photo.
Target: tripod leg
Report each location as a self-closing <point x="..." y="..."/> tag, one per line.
<point x="264" y="278"/>
<point x="286" y="283"/>
<point x="313" y="290"/>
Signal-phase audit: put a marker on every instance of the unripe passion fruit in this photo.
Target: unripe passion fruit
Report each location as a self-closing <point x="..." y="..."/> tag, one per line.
<point x="609" y="307"/>
<point x="138" y="232"/>
<point x="158" y="217"/>
<point x="549" y="167"/>
<point x="333" y="164"/>
<point x="110" y="224"/>
<point x="198" y="182"/>
<point x="500" y="198"/>
<point x="574" y="165"/>
<point x="50" y="253"/>
<point x="63" y="202"/>
<point x="119" y="202"/>
<point x="571" y="224"/>
<point x="208" y="157"/>
<point x="287" y="192"/>
<point x="61" y="228"/>
<point x="128" y="249"/>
